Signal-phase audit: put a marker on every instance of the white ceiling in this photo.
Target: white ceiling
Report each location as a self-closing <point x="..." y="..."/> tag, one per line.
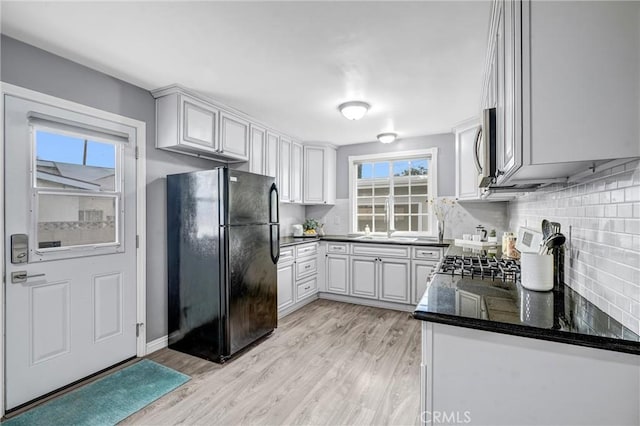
<point x="289" y="64"/>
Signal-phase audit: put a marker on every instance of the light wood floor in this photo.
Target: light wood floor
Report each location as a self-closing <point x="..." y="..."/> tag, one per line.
<point x="329" y="363"/>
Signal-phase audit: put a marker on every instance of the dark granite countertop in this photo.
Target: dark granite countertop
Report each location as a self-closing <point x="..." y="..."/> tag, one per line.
<point x="560" y="315"/>
<point x="292" y="241"/>
<point x="399" y="241"/>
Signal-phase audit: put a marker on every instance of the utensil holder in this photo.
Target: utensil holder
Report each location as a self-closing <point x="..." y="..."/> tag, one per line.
<point x="537" y="271"/>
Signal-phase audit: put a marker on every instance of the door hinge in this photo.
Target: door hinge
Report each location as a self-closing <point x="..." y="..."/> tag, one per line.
<point x="138" y="325"/>
<point x="137" y="241"/>
<point x="137" y="153"/>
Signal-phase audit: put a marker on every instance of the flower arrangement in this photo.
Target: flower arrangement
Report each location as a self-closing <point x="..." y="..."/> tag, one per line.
<point x="310" y="225"/>
<point x="441" y="206"/>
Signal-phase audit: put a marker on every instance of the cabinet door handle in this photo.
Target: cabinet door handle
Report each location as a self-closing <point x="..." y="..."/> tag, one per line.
<point x="476" y="148"/>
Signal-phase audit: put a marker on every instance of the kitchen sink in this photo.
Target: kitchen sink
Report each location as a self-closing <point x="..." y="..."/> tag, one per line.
<point x="383" y="238"/>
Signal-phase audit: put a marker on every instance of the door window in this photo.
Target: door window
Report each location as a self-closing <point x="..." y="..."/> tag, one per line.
<point x="76" y="187"/>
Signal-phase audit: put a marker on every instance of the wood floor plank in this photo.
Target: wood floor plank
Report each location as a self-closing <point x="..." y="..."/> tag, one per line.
<point x="330" y="363"/>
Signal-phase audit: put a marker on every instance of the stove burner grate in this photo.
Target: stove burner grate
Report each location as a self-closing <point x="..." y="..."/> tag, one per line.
<point x="481" y="267"/>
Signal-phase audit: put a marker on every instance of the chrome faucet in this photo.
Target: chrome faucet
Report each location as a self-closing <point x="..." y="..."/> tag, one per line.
<point x="388" y="217"/>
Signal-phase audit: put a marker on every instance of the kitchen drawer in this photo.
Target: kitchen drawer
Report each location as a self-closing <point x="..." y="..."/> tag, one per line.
<point x="286" y="255"/>
<point x="306" y="267"/>
<point x="427" y="253"/>
<point x="304" y="250"/>
<point x="307" y="288"/>
<point x="338" y="248"/>
<point x="383" y="251"/>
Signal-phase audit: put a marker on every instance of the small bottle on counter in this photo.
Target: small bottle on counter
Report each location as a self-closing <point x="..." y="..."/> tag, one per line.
<point x="367" y="230"/>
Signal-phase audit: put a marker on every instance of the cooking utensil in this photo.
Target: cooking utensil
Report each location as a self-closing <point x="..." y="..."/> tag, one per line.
<point x="555" y="240"/>
<point x="546" y="229"/>
<point x="555" y="227"/>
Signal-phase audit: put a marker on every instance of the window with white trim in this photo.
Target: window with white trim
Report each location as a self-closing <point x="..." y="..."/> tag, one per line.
<point x="77" y="187"/>
<point x="391" y="192"/>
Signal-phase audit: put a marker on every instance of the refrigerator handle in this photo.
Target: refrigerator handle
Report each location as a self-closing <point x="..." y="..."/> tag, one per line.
<point x="274" y="201"/>
<point x="275" y="242"/>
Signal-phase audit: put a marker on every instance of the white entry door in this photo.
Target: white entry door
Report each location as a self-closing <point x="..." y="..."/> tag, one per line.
<point x="70" y="220"/>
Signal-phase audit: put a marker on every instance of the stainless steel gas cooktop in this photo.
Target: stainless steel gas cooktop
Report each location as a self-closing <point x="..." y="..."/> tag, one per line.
<point x="481" y="267"/>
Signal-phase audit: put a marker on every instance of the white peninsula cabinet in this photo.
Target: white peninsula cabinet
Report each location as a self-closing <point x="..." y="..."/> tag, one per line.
<point x="488" y="378"/>
<point x="389" y="276"/>
<point x="563" y="77"/>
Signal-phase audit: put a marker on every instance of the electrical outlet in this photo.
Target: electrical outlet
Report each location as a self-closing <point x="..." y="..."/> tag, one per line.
<point x="336" y="220"/>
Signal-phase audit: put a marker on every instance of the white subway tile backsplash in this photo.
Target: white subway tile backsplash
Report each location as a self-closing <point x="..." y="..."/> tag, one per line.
<point x="632" y="226"/>
<point x="624" y="210"/>
<point x="632" y="193"/>
<point x="603" y="256"/>
<point x="617" y="196"/>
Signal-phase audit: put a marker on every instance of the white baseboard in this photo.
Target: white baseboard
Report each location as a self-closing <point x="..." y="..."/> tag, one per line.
<point x="367" y="302"/>
<point x="156" y="345"/>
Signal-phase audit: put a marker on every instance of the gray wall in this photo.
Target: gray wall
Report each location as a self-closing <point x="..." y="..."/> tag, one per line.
<point x="33" y="68"/>
<point x="446" y="159"/>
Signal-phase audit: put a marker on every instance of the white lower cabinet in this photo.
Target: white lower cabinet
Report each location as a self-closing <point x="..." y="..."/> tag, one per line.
<point x="395" y="279"/>
<point x="286" y="281"/>
<point x="307" y="288"/>
<point x="337" y="274"/>
<point x="363" y="277"/>
<point x="387" y="273"/>
<point x="297" y="276"/>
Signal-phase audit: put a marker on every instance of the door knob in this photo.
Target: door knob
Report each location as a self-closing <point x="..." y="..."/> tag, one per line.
<point x="20" y="277"/>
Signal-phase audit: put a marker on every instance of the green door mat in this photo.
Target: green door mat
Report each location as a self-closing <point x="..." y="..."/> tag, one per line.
<point x="108" y="400"/>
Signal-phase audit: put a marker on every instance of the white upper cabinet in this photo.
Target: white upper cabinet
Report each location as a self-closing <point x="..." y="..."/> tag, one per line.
<point x="468" y="160"/>
<point x="284" y="170"/>
<point x="257" y="146"/>
<point x="199" y="123"/>
<point x="565" y="80"/>
<point x="187" y="125"/>
<point x="193" y="125"/>
<point x="296" y="172"/>
<point x="234" y="136"/>
<point x="271" y="154"/>
<point x="319" y="174"/>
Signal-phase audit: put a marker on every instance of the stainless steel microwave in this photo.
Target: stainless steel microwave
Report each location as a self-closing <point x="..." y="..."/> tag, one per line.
<point x="486" y="148"/>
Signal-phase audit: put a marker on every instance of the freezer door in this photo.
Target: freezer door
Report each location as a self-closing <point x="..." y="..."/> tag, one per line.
<point x="249" y="197"/>
<point x="252" y="285"/>
<point x="193" y="249"/>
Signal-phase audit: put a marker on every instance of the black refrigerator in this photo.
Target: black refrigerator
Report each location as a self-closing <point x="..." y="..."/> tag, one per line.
<point x="222" y="251"/>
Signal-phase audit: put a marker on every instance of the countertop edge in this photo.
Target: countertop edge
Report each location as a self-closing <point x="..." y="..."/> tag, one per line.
<point x="345" y="239"/>
<point x="590" y="341"/>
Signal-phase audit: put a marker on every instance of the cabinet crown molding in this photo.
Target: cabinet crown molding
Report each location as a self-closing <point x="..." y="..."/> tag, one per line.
<point x="179" y="89"/>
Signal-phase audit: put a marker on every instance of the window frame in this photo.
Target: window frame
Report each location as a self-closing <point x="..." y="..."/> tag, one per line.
<point x="82" y="250"/>
<point x="432" y="182"/>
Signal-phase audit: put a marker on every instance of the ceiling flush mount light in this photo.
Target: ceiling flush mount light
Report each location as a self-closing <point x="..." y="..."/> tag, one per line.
<point x="387" y="137"/>
<point x="354" y="110"/>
